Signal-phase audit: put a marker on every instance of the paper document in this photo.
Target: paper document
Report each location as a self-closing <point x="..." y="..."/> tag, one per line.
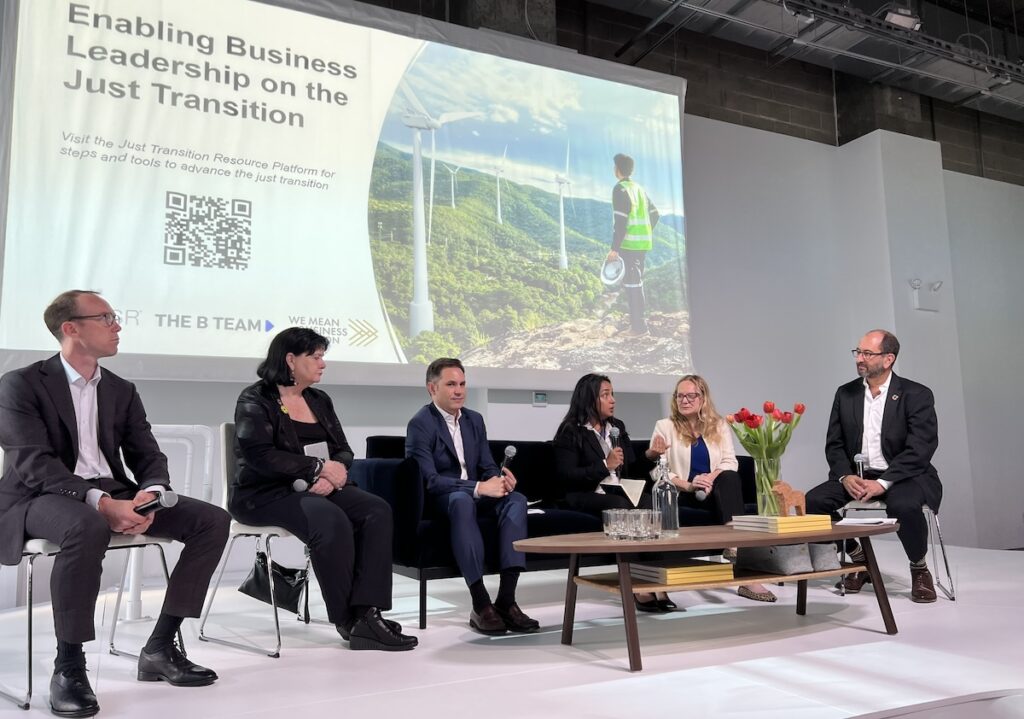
<point x="631" y="488"/>
<point x="870" y="522"/>
<point x="318" y="450"/>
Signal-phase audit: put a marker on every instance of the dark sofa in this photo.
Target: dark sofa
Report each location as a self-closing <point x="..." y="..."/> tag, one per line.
<point x="421" y="545"/>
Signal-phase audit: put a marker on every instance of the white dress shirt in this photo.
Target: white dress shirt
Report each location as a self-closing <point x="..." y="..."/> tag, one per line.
<point x="455" y="429"/>
<point x="871" y="441"/>
<point x="91" y="463"/>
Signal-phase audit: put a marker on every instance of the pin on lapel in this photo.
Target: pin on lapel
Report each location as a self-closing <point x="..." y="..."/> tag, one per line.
<point x="895" y="397"/>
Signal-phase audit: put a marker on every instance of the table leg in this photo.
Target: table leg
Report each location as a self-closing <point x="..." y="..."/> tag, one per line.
<point x="801" y="597"/>
<point x="570" y="599"/>
<point x="629" y="613"/>
<point x="876" y="580"/>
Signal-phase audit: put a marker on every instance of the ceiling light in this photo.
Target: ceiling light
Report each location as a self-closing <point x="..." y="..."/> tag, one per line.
<point x="903" y="17"/>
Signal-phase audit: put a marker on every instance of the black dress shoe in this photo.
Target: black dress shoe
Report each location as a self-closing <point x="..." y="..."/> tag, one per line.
<point x="667" y="605"/>
<point x="372" y="631"/>
<point x="853" y="583"/>
<point x="516" y="621"/>
<point x="651" y="605"/>
<point x="170" y="665"/>
<point x="345" y="630"/>
<point x="71" y="695"/>
<point x="487" y="621"/>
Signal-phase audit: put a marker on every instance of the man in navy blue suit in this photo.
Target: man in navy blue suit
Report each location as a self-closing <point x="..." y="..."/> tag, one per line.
<point x="449" y="443"/>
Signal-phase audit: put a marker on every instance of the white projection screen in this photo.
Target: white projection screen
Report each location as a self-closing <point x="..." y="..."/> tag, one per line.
<point x="410" y="189"/>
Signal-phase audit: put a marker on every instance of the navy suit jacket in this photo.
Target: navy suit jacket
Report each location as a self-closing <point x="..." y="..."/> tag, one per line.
<point x="909" y="434"/>
<point x="428" y="440"/>
<point x="39" y="434"/>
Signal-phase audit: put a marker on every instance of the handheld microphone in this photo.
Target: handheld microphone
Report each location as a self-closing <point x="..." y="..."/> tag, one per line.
<point x="300" y="485"/>
<point x="701" y="495"/>
<point x="613" y="436"/>
<point x="163" y="499"/>
<point x="510" y="453"/>
<point x="860" y="459"/>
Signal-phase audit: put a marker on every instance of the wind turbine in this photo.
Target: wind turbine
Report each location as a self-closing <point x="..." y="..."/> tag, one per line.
<point x="499" y="172"/>
<point x="563" y="183"/>
<point x="421" y="309"/>
<point x="452" y="172"/>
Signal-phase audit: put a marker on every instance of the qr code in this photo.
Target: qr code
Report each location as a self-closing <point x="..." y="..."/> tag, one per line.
<point x="205" y="231"/>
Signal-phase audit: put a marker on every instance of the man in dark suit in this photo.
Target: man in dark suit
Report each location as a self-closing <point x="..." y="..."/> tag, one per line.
<point x="449" y="443"/>
<point x="891" y="421"/>
<point x="64" y="425"/>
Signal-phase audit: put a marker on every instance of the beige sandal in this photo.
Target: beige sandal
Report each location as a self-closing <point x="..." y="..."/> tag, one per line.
<point x="756" y="596"/>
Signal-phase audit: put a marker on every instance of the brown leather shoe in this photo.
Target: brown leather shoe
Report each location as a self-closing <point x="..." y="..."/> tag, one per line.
<point x="516" y="621"/>
<point x="853" y="583"/>
<point x="487" y="621"/>
<point x="922" y="590"/>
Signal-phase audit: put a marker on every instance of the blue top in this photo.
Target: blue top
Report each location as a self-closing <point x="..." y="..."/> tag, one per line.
<point x="700" y="459"/>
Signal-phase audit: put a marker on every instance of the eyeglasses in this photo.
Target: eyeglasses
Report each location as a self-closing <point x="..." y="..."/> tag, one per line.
<point x="107" y="318"/>
<point x="866" y="354"/>
<point x="689" y="396"/>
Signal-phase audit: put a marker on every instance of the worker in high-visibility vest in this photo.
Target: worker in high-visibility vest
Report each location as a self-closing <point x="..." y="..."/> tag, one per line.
<point x="634" y="218"/>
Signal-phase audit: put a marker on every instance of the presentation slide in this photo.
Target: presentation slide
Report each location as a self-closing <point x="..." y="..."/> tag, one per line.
<point x="223" y="170"/>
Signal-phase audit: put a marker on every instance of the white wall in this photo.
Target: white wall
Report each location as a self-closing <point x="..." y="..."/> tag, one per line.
<point x="986" y="233"/>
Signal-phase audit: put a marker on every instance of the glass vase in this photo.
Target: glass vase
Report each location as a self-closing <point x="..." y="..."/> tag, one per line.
<point x="765" y="477"/>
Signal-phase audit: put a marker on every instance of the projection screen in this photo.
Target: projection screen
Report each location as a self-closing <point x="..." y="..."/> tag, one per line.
<point x="221" y="171"/>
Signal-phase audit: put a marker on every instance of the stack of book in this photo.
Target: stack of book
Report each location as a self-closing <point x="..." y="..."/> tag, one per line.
<point x="675" y="571"/>
<point x="782" y="525"/>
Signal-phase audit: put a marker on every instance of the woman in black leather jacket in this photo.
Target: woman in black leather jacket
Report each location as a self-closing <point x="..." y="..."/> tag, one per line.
<point x="285" y="430"/>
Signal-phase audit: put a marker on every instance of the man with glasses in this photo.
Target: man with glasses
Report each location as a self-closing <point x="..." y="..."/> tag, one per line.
<point x="891" y="422"/>
<point x="64" y="426"/>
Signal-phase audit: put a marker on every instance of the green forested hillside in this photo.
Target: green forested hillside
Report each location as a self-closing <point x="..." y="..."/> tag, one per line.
<point x="488" y="279"/>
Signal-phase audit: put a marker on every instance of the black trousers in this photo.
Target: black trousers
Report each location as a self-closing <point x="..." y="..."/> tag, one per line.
<point x="725" y="499"/>
<point x="633" y="284"/>
<point x="349" y="537"/>
<point x="903" y="502"/>
<point x="83" y="534"/>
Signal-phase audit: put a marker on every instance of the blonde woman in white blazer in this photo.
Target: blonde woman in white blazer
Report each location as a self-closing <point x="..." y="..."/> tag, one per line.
<point x="697" y="442"/>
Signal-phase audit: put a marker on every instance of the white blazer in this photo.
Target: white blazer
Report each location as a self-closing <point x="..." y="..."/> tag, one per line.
<point x="722" y="454"/>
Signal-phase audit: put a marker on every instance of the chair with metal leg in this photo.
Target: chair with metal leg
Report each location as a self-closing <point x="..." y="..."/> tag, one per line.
<point x="33" y="550"/>
<point x="262" y="535"/>
<point x="934" y="531"/>
<point x="36" y="548"/>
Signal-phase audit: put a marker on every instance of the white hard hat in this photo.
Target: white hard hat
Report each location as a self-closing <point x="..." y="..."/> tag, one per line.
<point x="612" y="273"/>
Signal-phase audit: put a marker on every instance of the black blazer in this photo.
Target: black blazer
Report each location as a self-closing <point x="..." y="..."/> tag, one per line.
<point x="909" y="434"/>
<point x="579" y="457"/>
<point x="39" y="434"/>
<point x="267" y="450"/>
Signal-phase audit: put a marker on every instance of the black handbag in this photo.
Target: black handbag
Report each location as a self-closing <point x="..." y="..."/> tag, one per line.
<point x="288" y="584"/>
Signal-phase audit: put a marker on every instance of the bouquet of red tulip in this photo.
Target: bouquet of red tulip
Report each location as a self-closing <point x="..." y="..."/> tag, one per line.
<point x="765" y="438"/>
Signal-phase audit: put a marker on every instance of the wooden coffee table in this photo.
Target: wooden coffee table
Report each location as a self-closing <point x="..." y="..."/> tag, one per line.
<point x="695" y="539"/>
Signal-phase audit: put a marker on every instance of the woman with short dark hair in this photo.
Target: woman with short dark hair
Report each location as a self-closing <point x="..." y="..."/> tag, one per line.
<point x="285" y="430"/>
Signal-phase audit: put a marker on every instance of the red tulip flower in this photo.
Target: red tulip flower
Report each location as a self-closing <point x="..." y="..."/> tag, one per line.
<point x="743" y="414"/>
<point x="799" y="407"/>
<point x="787" y="417"/>
<point x="754" y="421"/>
<point x="769" y="407"/>
<point x="777" y="415"/>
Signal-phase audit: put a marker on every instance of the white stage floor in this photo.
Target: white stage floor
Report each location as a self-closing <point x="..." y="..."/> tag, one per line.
<point x="722" y="657"/>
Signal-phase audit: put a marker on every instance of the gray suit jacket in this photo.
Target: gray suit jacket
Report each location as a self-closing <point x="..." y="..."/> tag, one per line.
<point x="39" y="435"/>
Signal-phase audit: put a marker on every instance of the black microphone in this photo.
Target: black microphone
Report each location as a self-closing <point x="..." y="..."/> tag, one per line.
<point x="510" y="453"/>
<point x="163" y="499"/>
